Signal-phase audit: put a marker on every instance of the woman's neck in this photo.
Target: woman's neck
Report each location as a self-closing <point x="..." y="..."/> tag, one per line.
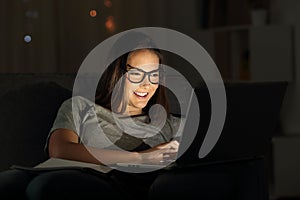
<point x="132" y="112"/>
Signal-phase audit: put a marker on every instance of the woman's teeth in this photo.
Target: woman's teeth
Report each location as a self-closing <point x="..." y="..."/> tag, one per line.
<point x="141" y="94"/>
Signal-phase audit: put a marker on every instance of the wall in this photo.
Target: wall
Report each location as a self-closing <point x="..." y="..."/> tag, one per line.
<point x="62" y="34"/>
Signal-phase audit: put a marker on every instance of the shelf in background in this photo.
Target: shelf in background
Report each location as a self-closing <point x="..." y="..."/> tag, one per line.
<point x="250" y="53"/>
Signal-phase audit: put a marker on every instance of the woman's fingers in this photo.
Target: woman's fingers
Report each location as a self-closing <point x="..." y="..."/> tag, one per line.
<point x="173" y="144"/>
<point x="161" y="153"/>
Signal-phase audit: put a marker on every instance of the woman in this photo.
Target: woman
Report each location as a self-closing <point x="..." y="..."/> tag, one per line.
<point x="92" y="132"/>
<point x="141" y="90"/>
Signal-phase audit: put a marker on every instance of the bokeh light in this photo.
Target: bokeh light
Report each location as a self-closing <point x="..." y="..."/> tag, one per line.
<point x="107" y="3"/>
<point x="110" y="24"/>
<point x="27" y="38"/>
<point x="93" y="13"/>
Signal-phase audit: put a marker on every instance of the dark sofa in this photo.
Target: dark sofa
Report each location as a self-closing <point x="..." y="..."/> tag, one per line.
<point x="28" y="104"/>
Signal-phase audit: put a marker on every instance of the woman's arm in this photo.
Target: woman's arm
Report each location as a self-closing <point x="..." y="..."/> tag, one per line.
<point x="63" y="143"/>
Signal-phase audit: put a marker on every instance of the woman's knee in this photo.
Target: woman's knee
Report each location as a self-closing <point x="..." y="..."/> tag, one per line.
<point x="13" y="183"/>
<point x="67" y="184"/>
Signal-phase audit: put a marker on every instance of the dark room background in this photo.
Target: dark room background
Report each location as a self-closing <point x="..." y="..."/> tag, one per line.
<point x="250" y="40"/>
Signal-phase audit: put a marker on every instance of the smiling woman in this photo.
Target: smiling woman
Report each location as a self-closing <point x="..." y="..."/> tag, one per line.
<point x="140" y="82"/>
<point x="140" y="72"/>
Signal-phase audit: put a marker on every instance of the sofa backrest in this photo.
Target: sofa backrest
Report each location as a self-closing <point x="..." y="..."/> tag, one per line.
<point x="28" y="109"/>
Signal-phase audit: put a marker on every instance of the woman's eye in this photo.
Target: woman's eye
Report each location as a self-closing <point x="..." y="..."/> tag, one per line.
<point x="155" y="75"/>
<point x="135" y="73"/>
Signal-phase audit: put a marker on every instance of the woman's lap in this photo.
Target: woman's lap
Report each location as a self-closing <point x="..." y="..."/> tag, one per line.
<point x="13" y="184"/>
<point x="60" y="184"/>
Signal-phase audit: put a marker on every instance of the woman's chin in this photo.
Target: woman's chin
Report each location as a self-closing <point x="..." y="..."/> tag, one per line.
<point x="141" y="106"/>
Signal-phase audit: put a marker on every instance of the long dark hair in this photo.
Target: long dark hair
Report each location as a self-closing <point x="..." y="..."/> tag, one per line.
<point x="112" y="79"/>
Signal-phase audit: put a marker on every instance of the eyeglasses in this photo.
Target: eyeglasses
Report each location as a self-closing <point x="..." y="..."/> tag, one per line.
<point x="137" y="75"/>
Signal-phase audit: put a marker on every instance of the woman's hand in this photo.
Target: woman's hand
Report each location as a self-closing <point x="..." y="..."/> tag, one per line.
<point x="162" y="153"/>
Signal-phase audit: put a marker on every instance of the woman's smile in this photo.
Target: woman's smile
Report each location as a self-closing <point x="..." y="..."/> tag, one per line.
<point x="141" y="94"/>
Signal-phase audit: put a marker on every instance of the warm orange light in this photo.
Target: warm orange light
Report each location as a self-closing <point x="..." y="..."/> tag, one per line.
<point x="107" y="3"/>
<point x="93" y="13"/>
<point x="110" y="24"/>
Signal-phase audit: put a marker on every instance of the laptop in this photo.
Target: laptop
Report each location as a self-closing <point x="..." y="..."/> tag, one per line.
<point x="251" y="120"/>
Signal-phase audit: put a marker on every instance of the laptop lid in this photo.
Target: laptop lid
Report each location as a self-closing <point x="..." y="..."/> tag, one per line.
<point x="252" y="116"/>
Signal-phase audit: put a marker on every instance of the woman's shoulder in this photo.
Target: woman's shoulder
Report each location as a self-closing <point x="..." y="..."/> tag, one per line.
<point x="79" y="99"/>
<point x="81" y="103"/>
<point x="76" y="101"/>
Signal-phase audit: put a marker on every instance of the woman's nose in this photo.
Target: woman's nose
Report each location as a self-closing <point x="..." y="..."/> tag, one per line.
<point x="145" y="84"/>
<point x="145" y="81"/>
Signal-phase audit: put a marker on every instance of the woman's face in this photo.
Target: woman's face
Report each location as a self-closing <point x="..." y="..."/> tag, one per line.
<point x="140" y="90"/>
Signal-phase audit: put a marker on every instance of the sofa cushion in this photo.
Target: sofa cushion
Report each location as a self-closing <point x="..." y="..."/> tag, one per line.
<point x="27" y="114"/>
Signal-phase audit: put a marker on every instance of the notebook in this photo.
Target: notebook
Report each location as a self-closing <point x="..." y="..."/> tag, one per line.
<point x="53" y="164"/>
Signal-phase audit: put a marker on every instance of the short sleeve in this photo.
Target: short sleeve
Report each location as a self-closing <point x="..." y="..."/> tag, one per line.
<point x="64" y="119"/>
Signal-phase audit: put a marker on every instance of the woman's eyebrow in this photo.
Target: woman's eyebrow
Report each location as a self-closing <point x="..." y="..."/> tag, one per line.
<point x="132" y="67"/>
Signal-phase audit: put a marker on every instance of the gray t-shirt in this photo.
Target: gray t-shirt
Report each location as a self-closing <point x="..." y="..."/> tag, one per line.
<point x="98" y="127"/>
